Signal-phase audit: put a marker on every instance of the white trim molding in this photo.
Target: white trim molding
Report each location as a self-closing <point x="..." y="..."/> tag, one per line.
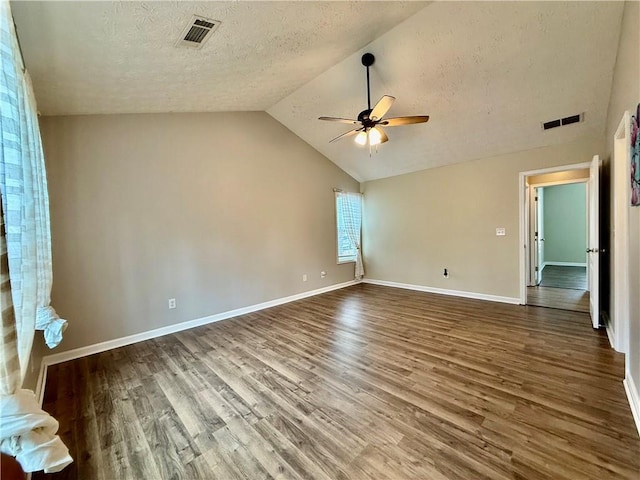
<point x="444" y="291"/>
<point x="620" y="294"/>
<point x="178" y="327"/>
<point x="610" y="334"/>
<point x="633" y="395"/>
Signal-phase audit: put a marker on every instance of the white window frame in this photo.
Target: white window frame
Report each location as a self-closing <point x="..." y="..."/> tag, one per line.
<point x="344" y="259"/>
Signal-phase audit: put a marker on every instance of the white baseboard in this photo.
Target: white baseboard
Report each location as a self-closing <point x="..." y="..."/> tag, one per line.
<point x="633" y="395"/>
<point x="443" y="291"/>
<point x="564" y="264"/>
<point x="178" y="327"/>
<point x="610" y="335"/>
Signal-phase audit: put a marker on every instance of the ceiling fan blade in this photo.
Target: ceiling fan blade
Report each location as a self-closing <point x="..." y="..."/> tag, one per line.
<point x="382" y="107"/>
<point x="347" y="134"/>
<point x="398" y="121"/>
<point x="383" y="136"/>
<point x="341" y="120"/>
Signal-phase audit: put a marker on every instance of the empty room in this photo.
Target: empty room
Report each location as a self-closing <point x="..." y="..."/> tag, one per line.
<point x="320" y="240"/>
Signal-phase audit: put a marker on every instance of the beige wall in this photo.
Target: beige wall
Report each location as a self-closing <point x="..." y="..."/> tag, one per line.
<point x="219" y="211"/>
<point x="625" y="95"/>
<point x="417" y="224"/>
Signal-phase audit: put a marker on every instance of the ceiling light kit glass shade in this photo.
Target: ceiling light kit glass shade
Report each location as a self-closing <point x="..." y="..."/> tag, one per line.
<point x="375" y="136"/>
<point x="371" y="137"/>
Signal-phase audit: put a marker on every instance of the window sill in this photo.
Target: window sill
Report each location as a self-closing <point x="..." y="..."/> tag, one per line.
<point x="340" y="262"/>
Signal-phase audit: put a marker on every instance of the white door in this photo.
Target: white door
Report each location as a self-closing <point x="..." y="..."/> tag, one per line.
<point x="533" y="237"/>
<point x="593" y="248"/>
<point x="539" y="234"/>
<point x="536" y="236"/>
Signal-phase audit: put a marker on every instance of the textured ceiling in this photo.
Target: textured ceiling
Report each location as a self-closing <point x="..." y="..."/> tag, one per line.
<point x="486" y="72"/>
<point x="120" y="57"/>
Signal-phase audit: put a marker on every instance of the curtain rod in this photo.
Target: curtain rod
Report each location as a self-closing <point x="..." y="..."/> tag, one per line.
<point x="337" y="190"/>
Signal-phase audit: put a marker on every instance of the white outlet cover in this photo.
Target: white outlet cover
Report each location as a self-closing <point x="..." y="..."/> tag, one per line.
<point x="501" y="232"/>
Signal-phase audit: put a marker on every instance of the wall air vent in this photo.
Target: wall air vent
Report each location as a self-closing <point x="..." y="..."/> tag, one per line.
<point x="197" y="32"/>
<point x="560" y="122"/>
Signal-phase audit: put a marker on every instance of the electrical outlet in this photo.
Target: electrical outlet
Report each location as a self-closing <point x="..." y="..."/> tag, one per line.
<point x="445" y="273"/>
<point x="501" y="232"/>
<point x="304" y="277"/>
<point x="323" y="274"/>
<point x="172" y="303"/>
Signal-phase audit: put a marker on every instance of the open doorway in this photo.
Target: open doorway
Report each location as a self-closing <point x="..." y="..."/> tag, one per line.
<point x="559" y="265"/>
<point x="558" y="232"/>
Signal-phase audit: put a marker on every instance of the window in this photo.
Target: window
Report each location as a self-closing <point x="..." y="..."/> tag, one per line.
<point x="348" y="222"/>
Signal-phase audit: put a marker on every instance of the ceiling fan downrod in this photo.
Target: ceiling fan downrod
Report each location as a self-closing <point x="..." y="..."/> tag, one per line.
<point x="367" y="60"/>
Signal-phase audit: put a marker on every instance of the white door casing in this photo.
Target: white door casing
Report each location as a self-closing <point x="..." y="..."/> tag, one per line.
<point x="619" y="317"/>
<point x="593" y="244"/>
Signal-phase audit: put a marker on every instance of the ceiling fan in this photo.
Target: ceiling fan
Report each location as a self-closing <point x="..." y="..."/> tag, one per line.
<point x="369" y="121"/>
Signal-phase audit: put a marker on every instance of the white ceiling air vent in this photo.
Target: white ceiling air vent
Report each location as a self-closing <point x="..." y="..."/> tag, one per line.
<point x="197" y="32"/>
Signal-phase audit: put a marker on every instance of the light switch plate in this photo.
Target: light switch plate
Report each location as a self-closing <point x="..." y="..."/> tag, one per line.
<point x="501" y="232"/>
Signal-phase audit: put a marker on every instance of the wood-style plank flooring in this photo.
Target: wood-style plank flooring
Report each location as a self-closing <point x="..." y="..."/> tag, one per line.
<point x="564" y="277"/>
<point x="366" y="382"/>
<point x="563" y="298"/>
<point x="561" y="287"/>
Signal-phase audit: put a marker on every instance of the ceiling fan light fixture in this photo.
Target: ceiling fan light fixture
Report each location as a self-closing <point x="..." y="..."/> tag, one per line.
<point x="368" y="132"/>
<point x="375" y="137"/>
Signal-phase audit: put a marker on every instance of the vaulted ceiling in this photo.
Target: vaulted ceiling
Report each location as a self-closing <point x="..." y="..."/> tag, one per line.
<point x="487" y="73"/>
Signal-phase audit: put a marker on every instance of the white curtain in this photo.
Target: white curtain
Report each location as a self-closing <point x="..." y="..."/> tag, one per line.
<point x="26" y="432"/>
<point x="350" y="208"/>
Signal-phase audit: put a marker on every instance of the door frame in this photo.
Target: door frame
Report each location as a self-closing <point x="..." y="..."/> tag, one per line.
<point x="523" y="209"/>
<point x="618" y="326"/>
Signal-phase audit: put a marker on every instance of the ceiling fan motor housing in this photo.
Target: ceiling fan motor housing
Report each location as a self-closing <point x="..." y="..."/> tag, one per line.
<point x="363" y="117"/>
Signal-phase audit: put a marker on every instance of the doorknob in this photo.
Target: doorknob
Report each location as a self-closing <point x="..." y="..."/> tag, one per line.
<point x="592" y="250"/>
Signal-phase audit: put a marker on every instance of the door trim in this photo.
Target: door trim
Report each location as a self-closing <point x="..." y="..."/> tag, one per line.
<point x="620" y="231"/>
<point x="523" y="212"/>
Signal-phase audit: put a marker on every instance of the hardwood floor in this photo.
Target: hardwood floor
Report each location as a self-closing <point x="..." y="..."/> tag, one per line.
<point x="563" y="298"/>
<point x="564" y="277"/>
<point x="366" y="382"/>
<point x="561" y="287"/>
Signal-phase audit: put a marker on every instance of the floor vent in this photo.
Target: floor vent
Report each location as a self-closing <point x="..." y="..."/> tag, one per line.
<point x="560" y="122"/>
<point x="197" y="32"/>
